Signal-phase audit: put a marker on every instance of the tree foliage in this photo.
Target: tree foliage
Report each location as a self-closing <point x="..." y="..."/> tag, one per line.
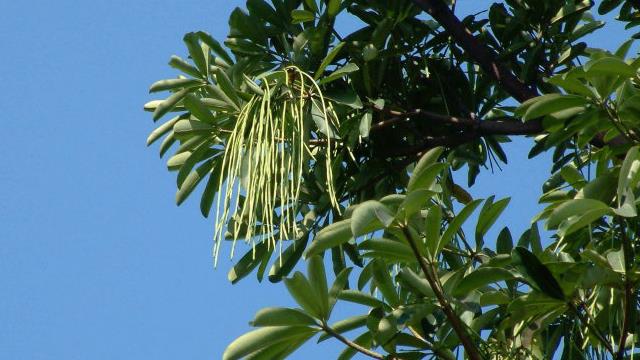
<point x="337" y="150"/>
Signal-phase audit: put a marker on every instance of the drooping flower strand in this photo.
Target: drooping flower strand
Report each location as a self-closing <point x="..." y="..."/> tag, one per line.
<point x="265" y="160"/>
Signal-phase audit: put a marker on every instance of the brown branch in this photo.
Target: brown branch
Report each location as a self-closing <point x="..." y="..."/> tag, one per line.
<point x="484" y="56"/>
<point x="351" y="344"/>
<point x="472" y="351"/>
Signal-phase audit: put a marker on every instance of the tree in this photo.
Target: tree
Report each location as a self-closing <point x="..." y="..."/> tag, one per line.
<point x="339" y="150"/>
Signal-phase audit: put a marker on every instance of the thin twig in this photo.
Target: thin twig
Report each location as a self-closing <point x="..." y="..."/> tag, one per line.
<point x="362" y="349"/>
<point x="469" y="347"/>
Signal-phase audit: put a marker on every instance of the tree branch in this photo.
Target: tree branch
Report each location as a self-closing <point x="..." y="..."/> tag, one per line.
<point x="351" y="344"/>
<point x="484" y="56"/>
<point x="472" y="351"/>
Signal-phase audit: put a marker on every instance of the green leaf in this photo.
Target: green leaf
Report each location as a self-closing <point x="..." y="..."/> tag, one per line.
<point x="210" y="190"/>
<point x="456" y="223"/>
<point x="370" y="216"/>
<point x="433" y="222"/>
<point x="421" y="175"/>
<point x="607" y="6"/>
<point x="178" y="63"/>
<point x="339" y="73"/>
<point x="489" y="214"/>
<point x="261" y="338"/>
<point x="384" y="282"/>
<point x="287" y="260"/>
<point x="318" y="280"/>
<point x="215" y="46"/>
<point x="199" y="109"/>
<point x="192" y="181"/>
<point x="301" y="16"/>
<point x="572" y="208"/>
<point x="504" y="244"/>
<point x="330" y="236"/>
<point x="629" y="173"/>
<point x="359" y="297"/>
<point x="482" y="277"/>
<point x="327" y="60"/>
<point x="416" y="201"/>
<point x="305" y="295"/>
<point x="282" y="317"/>
<point x="537" y="273"/>
<point x="333" y="8"/>
<point x="345" y="96"/>
<point x="610" y="65"/>
<point x="387" y="249"/>
<point x="192" y="40"/>
<point x="248" y="262"/>
<point x="551" y="103"/>
<point x="577" y="222"/>
<point x="365" y="124"/>
<point x="162" y="130"/>
<point x="339" y="284"/>
<point x="616" y="260"/>
<point x="225" y="84"/>
<point x="168" y="104"/>
<point x="416" y="282"/>
<point x="171" y="84"/>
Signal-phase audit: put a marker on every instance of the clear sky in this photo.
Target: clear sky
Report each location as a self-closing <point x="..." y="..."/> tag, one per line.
<point x="96" y="261"/>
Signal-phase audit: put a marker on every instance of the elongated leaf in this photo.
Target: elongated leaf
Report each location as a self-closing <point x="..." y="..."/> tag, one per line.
<point x="195" y="51"/>
<point x="504" y="244"/>
<point x="359" y="297"/>
<point x="629" y="173"/>
<point x="551" y="103"/>
<point x="339" y="284"/>
<point x="488" y="216"/>
<point x="387" y="249"/>
<point x="610" y="65"/>
<point x="168" y="104"/>
<point x="198" y="109"/>
<point x="432" y="230"/>
<point x="192" y="181"/>
<point x="339" y="73"/>
<point x="247" y="263"/>
<point x="330" y="236"/>
<point x="170" y="84"/>
<point x="482" y="277"/>
<point x="456" y="223"/>
<point x="536" y="273"/>
<point x="178" y="63"/>
<point x="282" y="317"/>
<point x="385" y="283"/>
<point x="416" y="282"/>
<point x="261" y="338"/>
<point x="327" y="60"/>
<point x="302" y="16"/>
<point x="577" y="222"/>
<point x="227" y="86"/>
<point x="215" y="46"/>
<point x="370" y="216"/>
<point x="289" y="258"/>
<point x="425" y="162"/>
<point x="318" y="280"/>
<point x="304" y="294"/>
<point x="572" y="208"/>
<point x="161" y="130"/>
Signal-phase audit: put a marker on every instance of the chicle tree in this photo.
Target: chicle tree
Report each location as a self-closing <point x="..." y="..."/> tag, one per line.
<point x="312" y="145"/>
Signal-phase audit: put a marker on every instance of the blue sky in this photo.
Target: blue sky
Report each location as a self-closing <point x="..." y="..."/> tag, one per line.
<point x="96" y="261"/>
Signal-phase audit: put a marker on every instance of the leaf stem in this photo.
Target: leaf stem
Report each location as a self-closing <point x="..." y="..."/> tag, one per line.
<point x="362" y="349"/>
<point x="472" y="351"/>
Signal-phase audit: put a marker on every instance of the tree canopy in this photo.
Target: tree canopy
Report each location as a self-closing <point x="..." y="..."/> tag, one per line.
<point x="335" y="152"/>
